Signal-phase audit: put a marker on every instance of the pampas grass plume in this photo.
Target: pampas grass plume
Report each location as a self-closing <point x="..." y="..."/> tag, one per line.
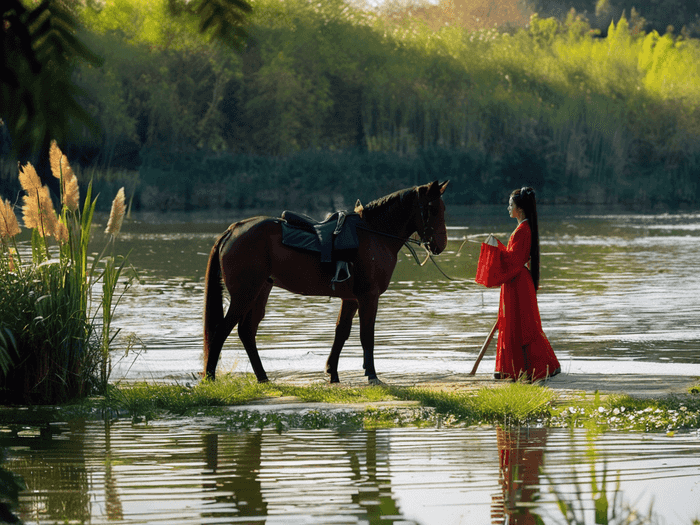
<point x="8" y="220"/>
<point x="28" y="178"/>
<point x="37" y="211"/>
<point x="61" y="170"/>
<point x="116" y="216"/>
<point x="55" y="155"/>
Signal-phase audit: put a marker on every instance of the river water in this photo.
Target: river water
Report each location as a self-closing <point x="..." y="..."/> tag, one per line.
<point x="619" y="295"/>
<point x="197" y="471"/>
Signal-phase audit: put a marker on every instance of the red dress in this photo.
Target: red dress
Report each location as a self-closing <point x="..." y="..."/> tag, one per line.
<point x="522" y="346"/>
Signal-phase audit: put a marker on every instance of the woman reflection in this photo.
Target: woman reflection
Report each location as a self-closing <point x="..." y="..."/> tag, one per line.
<point x="523" y="349"/>
<point x="521" y="456"/>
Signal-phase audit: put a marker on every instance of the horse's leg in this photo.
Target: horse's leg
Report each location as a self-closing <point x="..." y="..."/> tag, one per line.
<point x="248" y="329"/>
<point x="216" y="343"/>
<point x="348" y="308"/>
<point x="368" y="316"/>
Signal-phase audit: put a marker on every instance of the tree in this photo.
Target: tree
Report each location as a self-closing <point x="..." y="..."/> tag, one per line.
<point x="38" y="49"/>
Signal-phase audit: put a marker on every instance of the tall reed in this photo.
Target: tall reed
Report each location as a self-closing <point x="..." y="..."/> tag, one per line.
<point x="54" y="342"/>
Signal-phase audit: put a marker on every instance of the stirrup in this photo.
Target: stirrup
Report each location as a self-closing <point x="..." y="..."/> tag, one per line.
<point x="342" y="273"/>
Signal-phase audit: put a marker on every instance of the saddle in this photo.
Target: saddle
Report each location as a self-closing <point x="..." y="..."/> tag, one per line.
<point x="335" y="238"/>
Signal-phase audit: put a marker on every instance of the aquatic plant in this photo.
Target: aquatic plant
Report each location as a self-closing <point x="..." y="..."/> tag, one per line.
<point x="606" y="504"/>
<point x="54" y="343"/>
<point x="627" y="413"/>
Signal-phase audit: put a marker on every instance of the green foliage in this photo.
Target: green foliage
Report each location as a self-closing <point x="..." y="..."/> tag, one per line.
<point x="38" y="48"/>
<point x="551" y="105"/>
<point x="52" y="346"/>
<point x="41" y="45"/>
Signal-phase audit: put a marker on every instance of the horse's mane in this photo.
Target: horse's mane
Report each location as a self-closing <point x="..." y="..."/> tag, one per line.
<point x="390" y="209"/>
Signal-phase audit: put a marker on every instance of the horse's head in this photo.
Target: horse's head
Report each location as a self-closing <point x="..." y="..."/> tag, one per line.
<point x="431" y="224"/>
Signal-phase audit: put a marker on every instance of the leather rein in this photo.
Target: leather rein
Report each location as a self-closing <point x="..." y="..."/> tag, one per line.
<point x="428" y="231"/>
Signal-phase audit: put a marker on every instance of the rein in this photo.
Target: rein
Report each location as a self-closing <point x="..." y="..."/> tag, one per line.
<point x="428" y="231"/>
<point x="422" y="244"/>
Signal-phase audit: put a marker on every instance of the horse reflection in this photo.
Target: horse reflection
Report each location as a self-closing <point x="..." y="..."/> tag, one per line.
<point x="521" y="456"/>
<point x="235" y="466"/>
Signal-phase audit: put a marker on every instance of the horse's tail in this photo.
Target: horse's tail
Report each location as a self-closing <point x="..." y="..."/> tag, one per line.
<point x="213" y="297"/>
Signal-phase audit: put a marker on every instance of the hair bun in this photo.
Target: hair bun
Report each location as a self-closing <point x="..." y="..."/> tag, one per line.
<point x="527" y="191"/>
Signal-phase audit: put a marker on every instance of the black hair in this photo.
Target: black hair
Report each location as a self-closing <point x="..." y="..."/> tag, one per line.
<point x="524" y="198"/>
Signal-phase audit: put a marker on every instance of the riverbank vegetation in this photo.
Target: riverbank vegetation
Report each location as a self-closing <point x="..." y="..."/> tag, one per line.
<point x="328" y="103"/>
<point x="385" y="406"/>
<point x="54" y="339"/>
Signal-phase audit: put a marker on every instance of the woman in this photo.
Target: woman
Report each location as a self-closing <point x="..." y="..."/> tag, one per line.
<point x="523" y="349"/>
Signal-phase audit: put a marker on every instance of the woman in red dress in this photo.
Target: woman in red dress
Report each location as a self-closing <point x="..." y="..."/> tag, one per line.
<point x="523" y="349"/>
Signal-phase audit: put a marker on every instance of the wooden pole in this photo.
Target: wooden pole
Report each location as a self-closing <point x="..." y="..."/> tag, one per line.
<point x="483" y="348"/>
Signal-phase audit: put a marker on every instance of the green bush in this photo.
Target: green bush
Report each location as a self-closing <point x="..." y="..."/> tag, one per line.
<point x="54" y="342"/>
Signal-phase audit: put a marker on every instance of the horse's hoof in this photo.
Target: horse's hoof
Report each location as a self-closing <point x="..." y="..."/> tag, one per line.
<point x="263" y="380"/>
<point x="375" y="381"/>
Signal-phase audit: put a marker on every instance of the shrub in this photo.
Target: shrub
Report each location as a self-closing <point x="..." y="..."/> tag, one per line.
<point x="54" y="345"/>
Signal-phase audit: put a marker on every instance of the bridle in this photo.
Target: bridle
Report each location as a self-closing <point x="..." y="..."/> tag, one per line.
<point x="427" y="231"/>
<point x="427" y="236"/>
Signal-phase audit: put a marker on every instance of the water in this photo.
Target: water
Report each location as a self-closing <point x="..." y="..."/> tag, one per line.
<point x="197" y="471"/>
<point x="618" y="293"/>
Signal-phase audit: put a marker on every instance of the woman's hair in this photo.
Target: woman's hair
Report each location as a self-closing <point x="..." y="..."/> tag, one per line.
<point x="524" y="198"/>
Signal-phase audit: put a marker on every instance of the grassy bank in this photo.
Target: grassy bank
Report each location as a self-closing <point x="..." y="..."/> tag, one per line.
<point x="381" y="406"/>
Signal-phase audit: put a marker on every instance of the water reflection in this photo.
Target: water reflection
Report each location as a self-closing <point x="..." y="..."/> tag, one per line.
<point x="232" y="474"/>
<point x="197" y="471"/>
<point x="521" y="458"/>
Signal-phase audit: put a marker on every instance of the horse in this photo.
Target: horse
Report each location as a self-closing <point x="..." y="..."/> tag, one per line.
<point x="249" y="258"/>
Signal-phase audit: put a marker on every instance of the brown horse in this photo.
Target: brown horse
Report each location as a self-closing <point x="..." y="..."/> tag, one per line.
<point x="251" y="259"/>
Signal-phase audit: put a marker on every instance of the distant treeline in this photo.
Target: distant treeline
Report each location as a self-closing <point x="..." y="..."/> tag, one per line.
<point x="328" y="103"/>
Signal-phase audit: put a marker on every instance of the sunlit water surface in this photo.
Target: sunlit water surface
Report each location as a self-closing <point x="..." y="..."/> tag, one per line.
<point x="619" y="294"/>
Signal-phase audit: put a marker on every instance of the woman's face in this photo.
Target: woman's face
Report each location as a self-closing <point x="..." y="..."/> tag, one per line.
<point x="514" y="211"/>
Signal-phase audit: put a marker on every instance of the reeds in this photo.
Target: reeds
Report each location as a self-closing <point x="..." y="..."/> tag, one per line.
<point x="54" y="340"/>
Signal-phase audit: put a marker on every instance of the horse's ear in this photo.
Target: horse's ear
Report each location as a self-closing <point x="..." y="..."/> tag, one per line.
<point x="434" y="191"/>
<point x="443" y="186"/>
<point x="358" y="206"/>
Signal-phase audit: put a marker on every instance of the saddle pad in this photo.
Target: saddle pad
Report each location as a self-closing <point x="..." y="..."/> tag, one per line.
<point x="300" y="238"/>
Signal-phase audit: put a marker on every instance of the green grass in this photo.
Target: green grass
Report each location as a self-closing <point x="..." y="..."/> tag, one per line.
<point x="510" y="404"/>
<point x="513" y="403"/>
<point x="151" y="399"/>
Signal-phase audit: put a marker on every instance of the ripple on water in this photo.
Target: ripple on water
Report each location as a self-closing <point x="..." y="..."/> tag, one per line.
<point x="197" y="471"/>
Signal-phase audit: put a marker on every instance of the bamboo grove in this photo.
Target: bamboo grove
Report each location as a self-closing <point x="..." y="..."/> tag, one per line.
<point x="326" y="94"/>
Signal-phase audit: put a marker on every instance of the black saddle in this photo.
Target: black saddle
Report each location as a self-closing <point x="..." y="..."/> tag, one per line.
<point x="334" y="238"/>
